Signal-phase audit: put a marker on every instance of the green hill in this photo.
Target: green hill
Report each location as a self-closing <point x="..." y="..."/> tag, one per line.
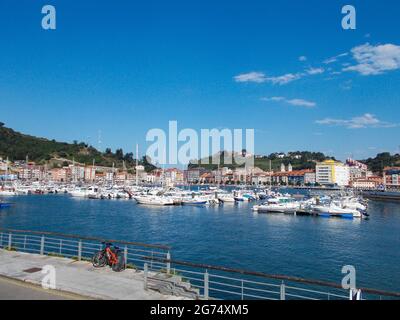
<point x="382" y="160"/>
<point x="299" y="160"/>
<point x="18" y="146"/>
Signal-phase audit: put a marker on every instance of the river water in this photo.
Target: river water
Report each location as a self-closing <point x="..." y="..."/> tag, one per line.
<point x="232" y="235"/>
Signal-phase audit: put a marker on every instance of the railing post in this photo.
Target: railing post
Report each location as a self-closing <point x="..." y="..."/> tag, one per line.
<point x="206" y="293"/>
<point x="355" y="294"/>
<point x="1" y="240"/>
<point x="168" y="263"/>
<point x="283" y="294"/>
<point x="146" y="270"/>
<point x="242" y="290"/>
<point x="126" y="255"/>
<point x="42" y="245"/>
<point x="25" y="242"/>
<point x="9" y="241"/>
<point x="80" y="250"/>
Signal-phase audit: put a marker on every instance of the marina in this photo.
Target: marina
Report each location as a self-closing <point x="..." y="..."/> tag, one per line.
<point x="222" y="226"/>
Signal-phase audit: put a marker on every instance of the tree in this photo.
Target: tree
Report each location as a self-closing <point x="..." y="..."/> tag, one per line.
<point x="119" y="153"/>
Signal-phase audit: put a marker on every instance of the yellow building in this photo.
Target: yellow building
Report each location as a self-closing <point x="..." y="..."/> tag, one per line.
<point x="332" y="172"/>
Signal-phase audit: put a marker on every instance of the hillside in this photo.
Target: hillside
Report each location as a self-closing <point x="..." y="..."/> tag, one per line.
<point x="299" y="160"/>
<point x="382" y="160"/>
<point x="18" y="146"/>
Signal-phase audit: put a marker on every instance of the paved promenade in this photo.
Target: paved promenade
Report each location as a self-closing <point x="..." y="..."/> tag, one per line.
<point x="76" y="277"/>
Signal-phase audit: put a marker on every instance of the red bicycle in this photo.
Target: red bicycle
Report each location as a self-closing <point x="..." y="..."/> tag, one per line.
<point x="111" y="256"/>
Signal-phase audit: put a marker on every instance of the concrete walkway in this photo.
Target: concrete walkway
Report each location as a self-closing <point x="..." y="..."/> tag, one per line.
<point x="78" y="277"/>
<point x="11" y="289"/>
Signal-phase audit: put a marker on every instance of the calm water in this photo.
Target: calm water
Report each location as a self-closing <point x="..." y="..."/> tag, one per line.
<point x="231" y="235"/>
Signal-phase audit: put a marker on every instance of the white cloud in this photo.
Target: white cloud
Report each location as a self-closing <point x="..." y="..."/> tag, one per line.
<point x="285" y="79"/>
<point x="365" y="121"/>
<point x="373" y="60"/>
<point x="301" y="103"/>
<point x="293" y="102"/>
<point x="302" y="58"/>
<point x="258" y="77"/>
<point x="335" y="58"/>
<point x="313" y="71"/>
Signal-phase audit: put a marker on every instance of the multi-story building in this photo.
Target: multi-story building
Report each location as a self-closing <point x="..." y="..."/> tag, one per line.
<point x="371" y="182"/>
<point x="90" y="173"/>
<point x="59" y="174"/>
<point x="391" y="177"/>
<point x="332" y="172"/>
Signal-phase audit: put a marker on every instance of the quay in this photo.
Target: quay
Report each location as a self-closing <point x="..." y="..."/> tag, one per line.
<point x="382" y="195"/>
<point x="151" y="273"/>
<point x="74" y="279"/>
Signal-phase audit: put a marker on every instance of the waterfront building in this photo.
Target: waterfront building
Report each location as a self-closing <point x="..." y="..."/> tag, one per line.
<point x="77" y="172"/>
<point x="357" y="169"/>
<point x="89" y="173"/>
<point x="59" y="174"/>
<point x="294" y="177"/>
<point x="193" y="175"/>
<point x="366" y="183"/>
<point x="309" y="177"/>
<point x="174" y="175"/>
<point x="391" y="177"/>
<point x="332" y="172"/>
<point x="261" y="178"/>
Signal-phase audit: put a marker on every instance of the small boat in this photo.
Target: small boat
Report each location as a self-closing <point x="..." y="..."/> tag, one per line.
<point x="194" y="202"/>
<point x="226" y="198"/>
<point x="278" y="205"/>
<point x="154" y="200"/>
<point x="333" y="210"/>
<point x="4" y="205"/>
<point x="8" y="193"/>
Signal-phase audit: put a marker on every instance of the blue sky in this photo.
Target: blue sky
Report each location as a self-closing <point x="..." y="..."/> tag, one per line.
<point x="285" y="68"/>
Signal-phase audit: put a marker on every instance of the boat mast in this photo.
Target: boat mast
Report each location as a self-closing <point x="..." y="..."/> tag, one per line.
<point x="137" y="164"/>
<point x="270" y="174"/>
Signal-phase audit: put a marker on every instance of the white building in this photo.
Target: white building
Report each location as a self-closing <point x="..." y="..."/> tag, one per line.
<point x="332" y="172"/>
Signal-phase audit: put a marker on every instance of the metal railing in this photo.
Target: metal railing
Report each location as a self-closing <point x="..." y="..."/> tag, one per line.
<point x="212" y="282"/>
<point x="83" y="248"/>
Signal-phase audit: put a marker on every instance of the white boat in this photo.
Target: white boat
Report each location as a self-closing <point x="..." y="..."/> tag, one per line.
<point x="333" y="210"/>
<point x="278" y="205"/>
<point x="225" y="197"/>
<point x="154" y="200"/>
<point x="8" y="193"/>
<point x="196" y="201"/>
<point x="91" y="192"/>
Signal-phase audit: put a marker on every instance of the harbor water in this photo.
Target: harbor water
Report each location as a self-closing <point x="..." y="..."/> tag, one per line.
<point x="232" y="235"/>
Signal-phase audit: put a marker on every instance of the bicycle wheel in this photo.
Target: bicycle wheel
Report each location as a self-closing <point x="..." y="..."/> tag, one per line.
<point x="120" y="264"/>
<point x="99" y="259"/>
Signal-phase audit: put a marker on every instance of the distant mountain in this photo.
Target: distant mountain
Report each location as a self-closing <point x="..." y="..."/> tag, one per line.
<point x="18" y="146"/>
